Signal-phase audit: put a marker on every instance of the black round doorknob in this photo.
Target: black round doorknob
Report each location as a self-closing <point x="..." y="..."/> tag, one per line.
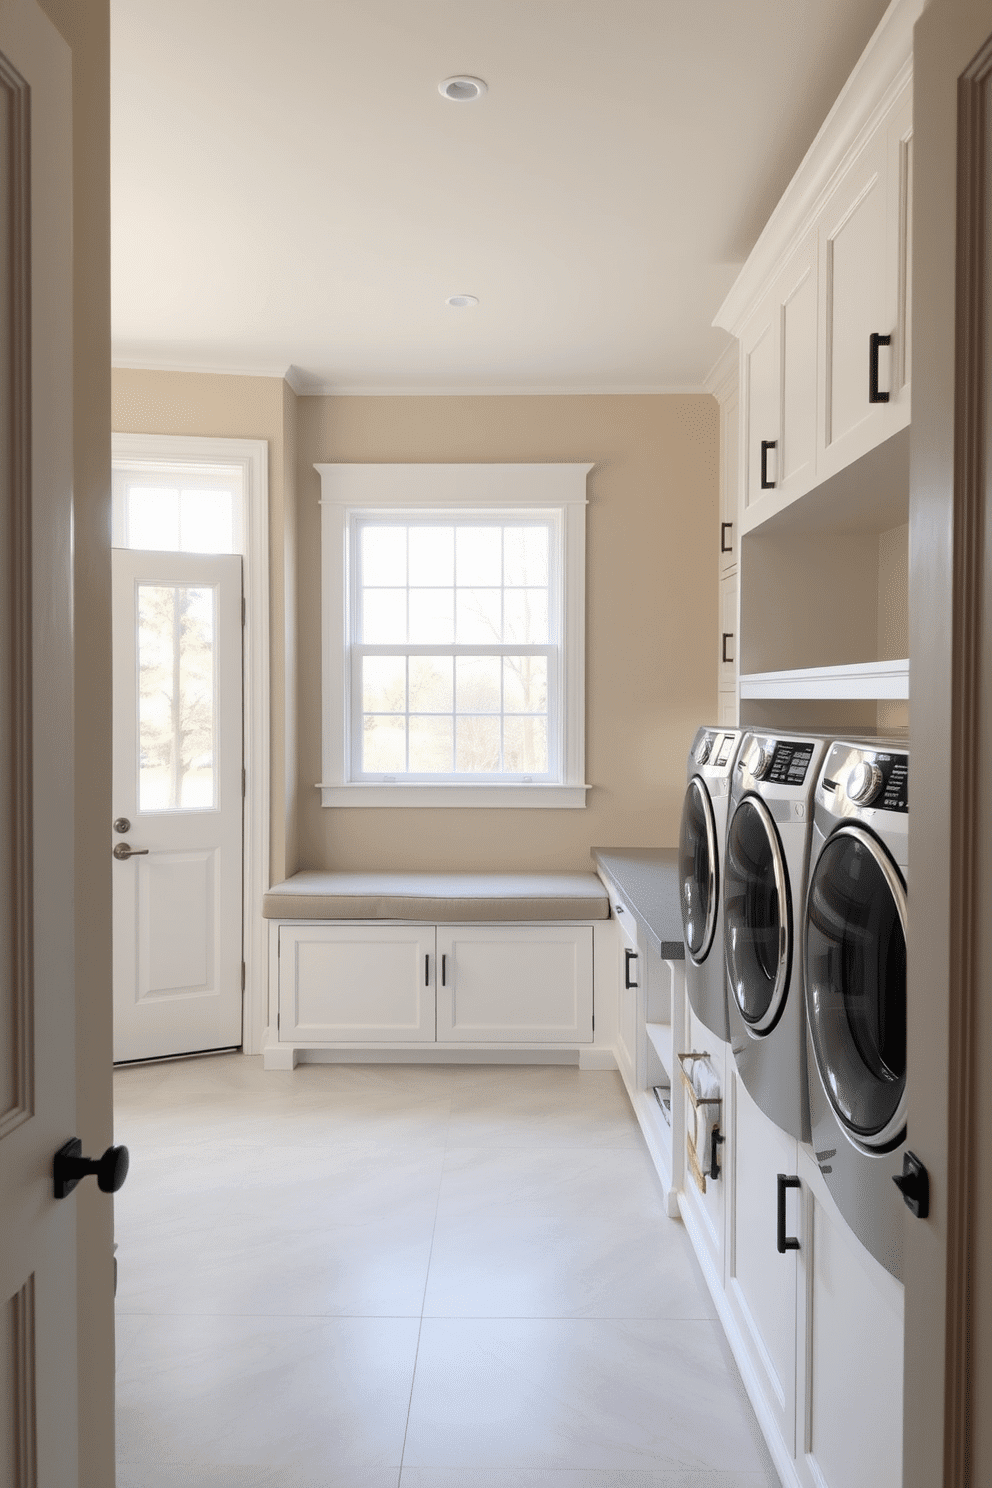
<point x="70" y="1166"/>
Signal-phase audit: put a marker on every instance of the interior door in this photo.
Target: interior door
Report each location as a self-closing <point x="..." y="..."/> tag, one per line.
<point x="178" y="803"/>
<point x="38" y="1344"/>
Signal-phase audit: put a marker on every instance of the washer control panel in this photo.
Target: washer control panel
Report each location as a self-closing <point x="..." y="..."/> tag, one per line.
<point x="790" y="762"/>
<point x="877" y="778"/>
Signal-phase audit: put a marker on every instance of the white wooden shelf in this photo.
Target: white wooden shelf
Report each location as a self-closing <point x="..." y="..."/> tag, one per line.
<point x="870" y="679"/>
<point x="660" y="1035"/>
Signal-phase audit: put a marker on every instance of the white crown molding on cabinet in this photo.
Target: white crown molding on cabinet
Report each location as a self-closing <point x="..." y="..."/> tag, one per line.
<point x="885" y="66"/>
<point x="722" y="378"/>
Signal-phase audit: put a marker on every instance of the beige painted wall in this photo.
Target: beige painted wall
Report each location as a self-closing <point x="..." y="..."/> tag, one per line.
<point x="85" y="24"/>
<point x="242" y="408"/>
<point x="651" y="603"/>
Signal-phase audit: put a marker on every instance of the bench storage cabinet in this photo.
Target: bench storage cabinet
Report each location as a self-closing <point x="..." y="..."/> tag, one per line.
<point x="462" y="961"/>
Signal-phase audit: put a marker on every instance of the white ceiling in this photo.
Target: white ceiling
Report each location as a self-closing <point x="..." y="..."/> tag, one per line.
<point x="290" y="190"/>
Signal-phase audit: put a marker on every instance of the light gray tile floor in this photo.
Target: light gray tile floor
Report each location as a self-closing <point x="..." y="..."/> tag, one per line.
<point x="376" y="1276"/>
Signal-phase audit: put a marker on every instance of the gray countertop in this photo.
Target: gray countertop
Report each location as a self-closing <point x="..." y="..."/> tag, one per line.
<point x="648" y="878"/>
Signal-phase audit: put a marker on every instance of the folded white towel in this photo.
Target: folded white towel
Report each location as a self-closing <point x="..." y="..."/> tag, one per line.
<point x="706" y="1084"/>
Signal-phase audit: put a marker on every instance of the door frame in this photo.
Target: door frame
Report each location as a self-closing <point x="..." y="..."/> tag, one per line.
<point x="166" y="451"/>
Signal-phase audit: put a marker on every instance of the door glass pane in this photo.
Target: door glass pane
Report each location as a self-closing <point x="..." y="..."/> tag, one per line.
<point x="177" y="756"/>
<point x="167" y="519"/>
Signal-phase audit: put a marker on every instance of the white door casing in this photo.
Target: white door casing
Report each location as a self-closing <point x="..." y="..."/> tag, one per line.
<point x="38" y="1347"/>
<point x="178" y="781"/>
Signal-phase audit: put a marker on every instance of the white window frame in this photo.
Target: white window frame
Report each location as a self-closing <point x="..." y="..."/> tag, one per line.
<point x="347" y="490"/>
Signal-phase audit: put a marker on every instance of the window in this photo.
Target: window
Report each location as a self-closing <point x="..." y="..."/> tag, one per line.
<point x="453" y="634"/>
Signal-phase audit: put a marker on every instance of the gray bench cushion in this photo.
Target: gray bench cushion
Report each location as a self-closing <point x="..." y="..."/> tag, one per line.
<point x="442" y="897"/>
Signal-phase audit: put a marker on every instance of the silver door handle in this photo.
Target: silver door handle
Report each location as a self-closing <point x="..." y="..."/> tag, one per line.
<point x="124" y="850"/>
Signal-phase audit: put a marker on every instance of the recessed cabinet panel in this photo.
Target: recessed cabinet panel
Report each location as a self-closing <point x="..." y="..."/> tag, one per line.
<point x="853" y="1416"/>
<point x="352" y="984"/>
<point x="761" y="1282"/>
<point x="798" y="330"/>
<point x="762" y="411"/>
<point x="728" y="633"/>
<point x="729" y="482"/>
<point x="860" y="249"/>
<point x="515" y="985"/>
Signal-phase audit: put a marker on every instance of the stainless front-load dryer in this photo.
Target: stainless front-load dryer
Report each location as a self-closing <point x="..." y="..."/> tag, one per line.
<point x="767" y="855"/>
<point x="701" y="844"/>
<point x="855" y="975"/>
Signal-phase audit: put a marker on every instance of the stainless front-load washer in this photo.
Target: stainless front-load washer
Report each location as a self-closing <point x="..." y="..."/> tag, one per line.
<point x="855" y="976"/>
<point x="767" y="855"/>
<point x="701" y="845"/>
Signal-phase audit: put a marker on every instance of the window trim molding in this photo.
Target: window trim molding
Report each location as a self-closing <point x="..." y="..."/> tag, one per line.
<point x="160" y="452"/>
<point x="402" y="487"/>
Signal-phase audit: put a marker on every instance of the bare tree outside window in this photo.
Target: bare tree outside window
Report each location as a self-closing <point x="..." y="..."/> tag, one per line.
<point x="176" y="712"/>
<point x="446" y="611"/>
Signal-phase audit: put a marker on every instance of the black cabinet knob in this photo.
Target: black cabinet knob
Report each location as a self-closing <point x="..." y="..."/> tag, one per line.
<point x="70" y="1166"/>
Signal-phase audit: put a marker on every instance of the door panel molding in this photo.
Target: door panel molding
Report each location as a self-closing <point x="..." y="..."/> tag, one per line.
<point x="19" y="1438"/>
<point x="16" y="714"/>
<point x="972" y="710"/>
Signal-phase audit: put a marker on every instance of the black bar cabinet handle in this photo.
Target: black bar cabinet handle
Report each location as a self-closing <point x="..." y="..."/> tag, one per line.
<point x="726" y="527"/>
<point x="427" y="970"/>
<point x="874" y="342"/>
<point x="628" y="956"/>
<point x="766" y="445"/>
<point x="444" y="962"/>
<point x="728" y="635"/>
<point x="785" y="1242"/>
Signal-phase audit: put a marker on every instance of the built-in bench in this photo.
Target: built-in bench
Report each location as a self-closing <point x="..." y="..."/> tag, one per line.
<point x="461" y="966"/>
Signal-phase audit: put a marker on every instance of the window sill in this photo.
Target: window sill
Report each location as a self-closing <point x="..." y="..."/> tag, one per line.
<point x="540" y="797"/>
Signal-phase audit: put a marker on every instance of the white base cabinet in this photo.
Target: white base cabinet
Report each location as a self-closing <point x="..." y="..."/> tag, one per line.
<point x="851" y="1360"/>
<point x="343" y="984"/>
<point x="371" y="983"/>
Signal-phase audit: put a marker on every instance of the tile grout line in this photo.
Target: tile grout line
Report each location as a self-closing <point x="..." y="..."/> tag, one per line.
<point x="423" y="1300"/>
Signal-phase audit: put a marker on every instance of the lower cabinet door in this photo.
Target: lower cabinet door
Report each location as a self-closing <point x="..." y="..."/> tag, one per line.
<point x="851" y="1368"/>
<point x="761" y="1281"/>
<point x="356" y="983"/>
<point x="514" y="984"/>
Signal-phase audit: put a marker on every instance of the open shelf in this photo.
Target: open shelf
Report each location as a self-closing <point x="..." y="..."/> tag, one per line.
<point x="869" y="679"/>
<point x="660" y="1038"/>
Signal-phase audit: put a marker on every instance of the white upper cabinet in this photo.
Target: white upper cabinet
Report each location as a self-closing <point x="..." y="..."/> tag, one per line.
<point x="865" y="251"/>
<point x="821" y="308"/>
<point x="779" y="376"/>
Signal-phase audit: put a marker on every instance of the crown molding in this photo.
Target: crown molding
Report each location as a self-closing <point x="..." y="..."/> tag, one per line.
<point x="883" y="70"/>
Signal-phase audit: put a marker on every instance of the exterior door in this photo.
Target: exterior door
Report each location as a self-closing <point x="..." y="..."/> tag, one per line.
<point x="38" y="1342"/>
<point x="178" y="803"/>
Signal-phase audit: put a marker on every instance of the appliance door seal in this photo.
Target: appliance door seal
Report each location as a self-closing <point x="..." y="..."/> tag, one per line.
<point x="854" y="956"/>
<point x="757" y="916"/>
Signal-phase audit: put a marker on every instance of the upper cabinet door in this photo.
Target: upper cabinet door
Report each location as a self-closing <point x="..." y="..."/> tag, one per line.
<point x="866" y="264"/>
<point x="797" y="301"/>
<point x="761" y="384"/>
<point x="779" y="368"/>
<point x="730" y="464"/>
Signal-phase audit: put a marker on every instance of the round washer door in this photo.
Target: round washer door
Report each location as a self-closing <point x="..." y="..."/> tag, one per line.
<point x="757" y="916"/>
<point x="699" y="885"/>
<point x="855" y="963"/>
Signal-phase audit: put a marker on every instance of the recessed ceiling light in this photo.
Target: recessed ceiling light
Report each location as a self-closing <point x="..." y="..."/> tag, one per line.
<point x="461" y="302"/>
<point x="462" y="89"/>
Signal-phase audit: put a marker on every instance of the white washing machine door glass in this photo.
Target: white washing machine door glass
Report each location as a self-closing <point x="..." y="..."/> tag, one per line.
<point x="698" y="870"/>
<point x="855" y="964"/>
<point x="757" y="916"/>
